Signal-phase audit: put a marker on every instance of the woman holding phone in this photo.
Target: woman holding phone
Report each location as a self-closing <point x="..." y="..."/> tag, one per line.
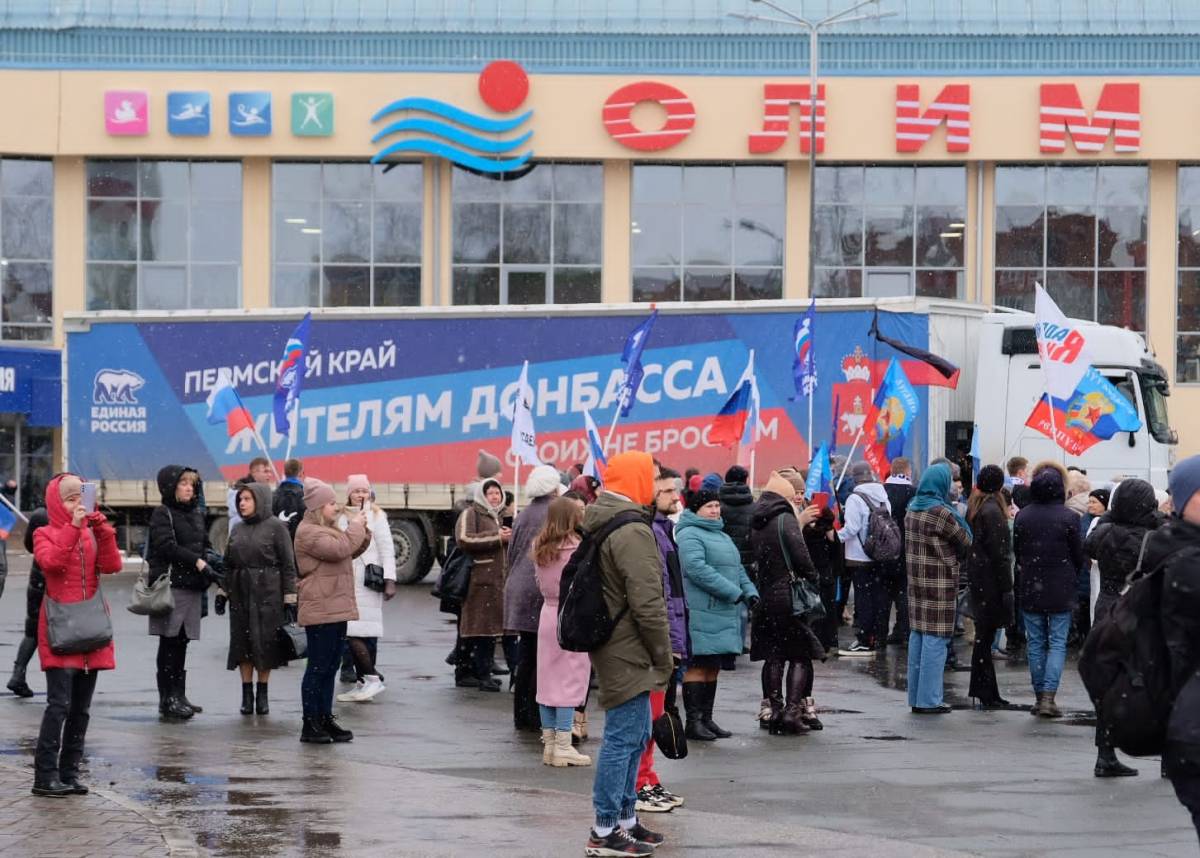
<point x="363" y="634"/>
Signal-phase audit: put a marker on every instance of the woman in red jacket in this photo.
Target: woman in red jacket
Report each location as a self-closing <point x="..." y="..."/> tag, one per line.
<point x="71" y="550"/>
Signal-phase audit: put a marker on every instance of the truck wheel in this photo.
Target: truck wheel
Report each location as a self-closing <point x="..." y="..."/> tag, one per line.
<point x="414" y="557"/>
<point x="218" y="533"/>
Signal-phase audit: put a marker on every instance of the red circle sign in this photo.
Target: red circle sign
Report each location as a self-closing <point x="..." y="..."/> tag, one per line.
<point x="503" y="86"/>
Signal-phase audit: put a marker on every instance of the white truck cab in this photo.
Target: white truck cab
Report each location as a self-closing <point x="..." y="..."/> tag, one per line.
<point x="1009" y="383"/>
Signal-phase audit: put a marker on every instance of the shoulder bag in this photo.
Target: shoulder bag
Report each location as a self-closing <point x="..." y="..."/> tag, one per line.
<point x="806" y="601"/>
<point x="75" y="628"/>
<point x="152" y="600"/>
<point x="373" y="577"/>
<point x="293" y="640"/>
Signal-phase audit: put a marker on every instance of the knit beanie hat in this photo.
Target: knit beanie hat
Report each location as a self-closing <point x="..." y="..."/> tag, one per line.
<point x="357" y="481"/>
<point x="317" y="494"/>
<point x="711" y="482"/>
<point x="990" y="479"/>
<point x="543" y="480"/>
<point x="737" y="474"/>
<point x="695" y="500"/>
<point x="779" y="485"/>
<point x="68" y="485"/>
<point x="1184" y="482"/>
<point x="487" y="465"/>
<point x="795" y="479"/>
<point x="694" y="483"/>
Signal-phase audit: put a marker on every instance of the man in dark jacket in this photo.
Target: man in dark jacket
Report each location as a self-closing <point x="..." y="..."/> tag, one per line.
<point x="1048" y="549"/>
<point x="1115" y="543"/>
<point x="737" y="501"/>
<point x="635" y="660"/>
<point x="1176" y="548"/>
<point x="288" y="504"/>
<point x="33" y="608"/>
<point x="900" y="491"/>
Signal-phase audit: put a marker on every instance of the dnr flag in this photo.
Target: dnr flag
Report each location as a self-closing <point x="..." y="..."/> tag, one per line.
<point x="1095" y="412"/>
<point x="891" y="417"/>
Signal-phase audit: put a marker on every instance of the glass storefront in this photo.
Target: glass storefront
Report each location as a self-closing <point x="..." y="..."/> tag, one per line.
<point x="707" y="232"/>
<point x="26" y="249"/>
<point x="882" y="231"/>
<point x="347" y="234"/>
<point x="1078" y="230"/>
<point x="26" y="456"/>
<point x="164" y="235"/>
<point x="537" y="239"/>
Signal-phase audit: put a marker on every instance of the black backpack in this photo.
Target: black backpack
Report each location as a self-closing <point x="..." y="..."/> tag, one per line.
<point x="1126" y="668"/>
<point x="883" y="540"/>
<point x="584" y="623"/>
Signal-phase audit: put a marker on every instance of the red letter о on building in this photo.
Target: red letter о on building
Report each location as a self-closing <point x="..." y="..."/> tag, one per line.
<point x="618" y="116"/>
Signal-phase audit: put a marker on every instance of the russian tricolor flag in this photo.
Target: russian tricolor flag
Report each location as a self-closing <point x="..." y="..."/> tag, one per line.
<point x="729" y="425"/>
<point x="596" y="460"/>
<point x="225" y="406"/>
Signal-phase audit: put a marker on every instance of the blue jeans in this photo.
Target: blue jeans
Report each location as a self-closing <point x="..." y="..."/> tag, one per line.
<point x="559" y="718"/>
<point x="926" y="663"/>
<point x="1047" y="646"/>
<point x="320" y="676"/>
<point x="626" y="732"/>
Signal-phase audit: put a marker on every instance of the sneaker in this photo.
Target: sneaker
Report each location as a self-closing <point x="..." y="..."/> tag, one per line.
<point x="353" y="695"/>
<point x="617" y="842"/>
<point x="648" y="802"/>
<point x="364" y="691"/>
<point x="642" y="834"/>
<point x="664" y="794"/>
<point x="488" y="685"/>
<point x="858" y="648"/>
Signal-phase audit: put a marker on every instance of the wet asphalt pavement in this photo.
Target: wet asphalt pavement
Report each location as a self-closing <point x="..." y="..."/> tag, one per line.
<point x="436" y="770"/>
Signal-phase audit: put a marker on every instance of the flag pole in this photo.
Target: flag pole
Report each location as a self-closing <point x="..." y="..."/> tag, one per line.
<point x="809" y="440"/>
<point x="617" y="416"/>
<point x="10" y="505"/>
<point x="292" y="428"/>
<point x="849" y="456"/>
<point x="257" y="437"/>
<point x="516" y="486"/>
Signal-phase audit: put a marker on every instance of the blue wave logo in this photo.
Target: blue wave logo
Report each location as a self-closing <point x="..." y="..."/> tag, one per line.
<point x="457" y="135"/>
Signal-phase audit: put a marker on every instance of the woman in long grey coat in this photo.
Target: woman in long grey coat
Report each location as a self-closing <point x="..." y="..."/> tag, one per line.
<point x="522" y="598"/>
<point x="260" y="582"/>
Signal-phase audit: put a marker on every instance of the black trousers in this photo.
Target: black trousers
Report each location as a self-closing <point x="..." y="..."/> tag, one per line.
<point x="1187" y="790"/>
<point x="64" y="723"/>
<point x="827" y="628"/>
<point x="525" y="708"/>
<point x="870" y="603"/>
<point x="983" y="669"/>
<point x="172" y="656"/>
<point x="895" y="588"/>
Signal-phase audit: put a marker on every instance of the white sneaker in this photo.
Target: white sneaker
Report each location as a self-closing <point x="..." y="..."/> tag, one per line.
<point x="372" y="687"/>
<point x="352" y="696"/>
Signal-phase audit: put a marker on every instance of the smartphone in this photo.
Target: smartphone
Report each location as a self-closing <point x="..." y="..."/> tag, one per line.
<point x="821" y="499"/>
<point x="507" y="521"/>
<point x="87" y="497"/>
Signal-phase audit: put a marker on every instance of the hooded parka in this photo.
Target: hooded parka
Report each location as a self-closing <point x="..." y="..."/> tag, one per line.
<point x="1116" y="540"/>
<point x="260" y="577"/>
<point x="737" y="507"/>
<point x="177" y="539"/>
<point x="1048" y="547"/>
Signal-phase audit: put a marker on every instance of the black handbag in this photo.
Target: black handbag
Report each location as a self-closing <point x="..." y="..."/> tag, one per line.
<point x="373" y="577"/>
<point x="294" y="641"/>
<point x="806" y="601"/>
<point x="454" y="581"/>
<point x="75" y="628"/>
<point x="668" y="733"/>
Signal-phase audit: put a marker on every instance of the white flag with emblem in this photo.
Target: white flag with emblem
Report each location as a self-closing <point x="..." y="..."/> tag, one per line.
<point x="524" y="438"/>
<point x="1061" y="346"/>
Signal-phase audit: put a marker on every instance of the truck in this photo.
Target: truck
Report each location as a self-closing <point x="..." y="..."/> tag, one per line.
<point x="410" y="397"/>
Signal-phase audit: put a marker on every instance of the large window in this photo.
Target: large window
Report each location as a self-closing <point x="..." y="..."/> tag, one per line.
<point x="1187" y="325"/>
<point x="1080" y="231"/>
<point x="532" y="240"/>
<point x="26" y="248"/>
<point x="887" y="231"/>
<point x="347" y="234"/>
<point x="707" y="233"/>
<point x="164" y="235"/>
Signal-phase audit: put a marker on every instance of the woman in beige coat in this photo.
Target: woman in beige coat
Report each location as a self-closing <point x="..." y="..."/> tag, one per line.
<point x="480" y="534"/>
<point x="324" y="564"/>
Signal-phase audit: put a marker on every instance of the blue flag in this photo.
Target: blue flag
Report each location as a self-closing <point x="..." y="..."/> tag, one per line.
<point x="631" y="356"/>
<point x="8" y="520"/>
<point x="804" y="361"/>
<point x="291" y="375"/>
<point x="892" y="414"/>
<point x="820" y="473"/>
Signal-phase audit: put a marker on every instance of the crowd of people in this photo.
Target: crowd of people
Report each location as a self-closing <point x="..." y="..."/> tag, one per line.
<point x="694" y="570"/>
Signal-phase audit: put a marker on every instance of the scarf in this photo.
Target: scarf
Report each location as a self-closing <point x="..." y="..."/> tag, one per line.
<point x="934" y="491"/>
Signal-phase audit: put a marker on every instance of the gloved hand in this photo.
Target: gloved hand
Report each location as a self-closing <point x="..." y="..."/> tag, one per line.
<point x="219" y="604"/>
<point x="752" y="603"/>
<point x="290" y="613"/>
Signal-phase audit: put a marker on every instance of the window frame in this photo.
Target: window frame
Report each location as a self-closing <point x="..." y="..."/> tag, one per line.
<point x="1180" y="270"/>
<point x="47" y="327"/>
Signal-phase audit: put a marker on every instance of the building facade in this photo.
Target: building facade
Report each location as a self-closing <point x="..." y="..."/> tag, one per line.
<point x="238" y="159"/>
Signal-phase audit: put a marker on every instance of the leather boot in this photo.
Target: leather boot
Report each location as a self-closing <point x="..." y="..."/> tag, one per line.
<point x="693" y="703"/>
<point x="810" y="715"/>
<point x="1049" y="708"/>
<point x="171" y="705"/>
<point x="1036" y="709"/>
<point x="710" y="699"/>
<point x="579" y="727"/>
<point x="313" y="732"/>
<point x="764" y="713"/>
<point x="262" y="703"/>
<point x="247" y="698"/>
<point x="1108" y="766"/>
<point x="17" y="683"/>
<point x="771" y="713"/>
<point x="163" y="686"/>
<point x="792" y="723"/>
<point x="183" y="694"/>
<point x="51" y="787"/>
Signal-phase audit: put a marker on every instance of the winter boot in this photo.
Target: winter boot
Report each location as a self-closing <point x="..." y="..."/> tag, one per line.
<point x="792" y="723"/>
<point x="1108" y="766"/>
<point x="809" y="717"/>
<point x="765" y="714"/>
<point x="262" y="703"/>
<point x="161" y="679"/>
<point x="170" y="704"/>
<point x="693" y="702"/>
<point x="547" y="746"/>
<point x="1049" y="709"/>
<point x="183" y="694"/>
<point x="1036" y="708"/>
<point x="51" y="787"/>
<point x="247" y="698"/>
<point x="579" y="726"/>
<point x="564" y="754"/>
<point x="17" y="684"/>
<point x="313" y="732"/>
<point x="710" y="699"/>
<point x="772" y="703"/>
<point x="335" y="730"/>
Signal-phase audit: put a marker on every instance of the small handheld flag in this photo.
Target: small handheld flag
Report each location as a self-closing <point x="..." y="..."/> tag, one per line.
<point x="291" y="375"/>
<point x="596" y="460"/>
<point x="820" y="473"/>
<point x="225" y="406"/>
<point x="8" y="520"/>
<point x="631" y="356"/>
<point x="804" y="364"/>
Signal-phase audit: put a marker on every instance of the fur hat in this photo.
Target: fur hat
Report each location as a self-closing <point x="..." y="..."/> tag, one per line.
<point x="543" y="480"/>
<point x="317" y="494"/>
<point x="487" y="465"/>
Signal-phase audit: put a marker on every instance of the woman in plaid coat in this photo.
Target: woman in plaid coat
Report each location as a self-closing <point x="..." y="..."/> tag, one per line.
<point x="935" y="537"/>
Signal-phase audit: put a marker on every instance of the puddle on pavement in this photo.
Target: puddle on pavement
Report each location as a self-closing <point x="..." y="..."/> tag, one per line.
<point x="886" y="738"/>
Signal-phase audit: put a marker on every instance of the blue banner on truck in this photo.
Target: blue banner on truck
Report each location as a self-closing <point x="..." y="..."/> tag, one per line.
<point x="413" y="400"/>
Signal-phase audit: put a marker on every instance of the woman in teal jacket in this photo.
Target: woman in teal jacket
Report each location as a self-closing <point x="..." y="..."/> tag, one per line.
<point x="715" y="583"/>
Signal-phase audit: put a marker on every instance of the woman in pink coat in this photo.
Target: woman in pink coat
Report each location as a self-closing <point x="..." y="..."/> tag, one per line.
<point x="562" y="677"/>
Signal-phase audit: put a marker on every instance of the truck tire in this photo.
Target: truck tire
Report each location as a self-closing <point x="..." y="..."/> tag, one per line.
<point x="414" y="556"/>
